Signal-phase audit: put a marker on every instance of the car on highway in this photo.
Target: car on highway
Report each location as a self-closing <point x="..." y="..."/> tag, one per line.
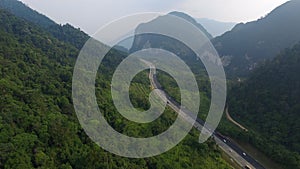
<point x="247" y="167"/>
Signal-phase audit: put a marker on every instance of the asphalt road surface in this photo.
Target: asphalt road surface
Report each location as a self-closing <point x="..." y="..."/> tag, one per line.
<point x="231" y="149"/>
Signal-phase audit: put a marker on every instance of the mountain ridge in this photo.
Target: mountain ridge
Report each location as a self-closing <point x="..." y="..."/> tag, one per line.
<point x="145" y="41"/>
<point x="247" y="45"/>
<point x="62" y="32"/>
<point x="193" y="21"/>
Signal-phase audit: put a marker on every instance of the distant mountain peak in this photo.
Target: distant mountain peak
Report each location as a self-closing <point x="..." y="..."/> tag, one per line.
<point x="183" y="15"/>
<point x="153" y="40"/>
<point x="191" y="20"/>
<point x="214" y="27"/>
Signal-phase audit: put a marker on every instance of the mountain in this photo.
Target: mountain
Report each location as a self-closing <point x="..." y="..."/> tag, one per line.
<point x="193" y="21"/>
<point x="140" y="41"/>
<point x="268" y="104"/>
<point x="38" y="125"/>
<point x="21" y="10"/>
<point x="144" y="41"/>
<point x="66" y="33"/>
<point x="247" y="45"/>
<point x="215" y="28"/>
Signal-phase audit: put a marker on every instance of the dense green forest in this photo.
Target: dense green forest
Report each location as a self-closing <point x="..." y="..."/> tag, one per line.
<point x="249" y="44"/>
<point x="169" y="85"/>
<point x="38" y="126"/>
<point x="268" y="104"/>
<point x="65" y="33"/>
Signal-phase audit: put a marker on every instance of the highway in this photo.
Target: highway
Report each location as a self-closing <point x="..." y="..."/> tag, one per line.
<point x="231" y="149"/>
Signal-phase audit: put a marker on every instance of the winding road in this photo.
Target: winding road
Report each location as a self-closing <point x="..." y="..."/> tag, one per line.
<point x="230" y="148"/>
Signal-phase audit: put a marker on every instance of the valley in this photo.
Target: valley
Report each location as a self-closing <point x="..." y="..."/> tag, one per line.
<point x="260" y="127"/>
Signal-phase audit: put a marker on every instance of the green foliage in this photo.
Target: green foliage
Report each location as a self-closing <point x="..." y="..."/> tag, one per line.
<point x="247" y="45"/>
<point x="65" y="33"/>
<point x="21" y="10"/>
<point x="38" y="125"/>
<point x="170" y="86"/>
<point x="268" y="103"/>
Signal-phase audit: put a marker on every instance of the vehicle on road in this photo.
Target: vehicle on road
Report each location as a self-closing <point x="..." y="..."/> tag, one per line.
<point x="247" y="167"/>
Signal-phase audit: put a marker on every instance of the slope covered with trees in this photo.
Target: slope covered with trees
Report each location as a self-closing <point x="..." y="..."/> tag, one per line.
<point x="268" y="103"/>
<point x="66" y="33"/>
<point x="38" y="125"/>
<point x="247" y="45"/>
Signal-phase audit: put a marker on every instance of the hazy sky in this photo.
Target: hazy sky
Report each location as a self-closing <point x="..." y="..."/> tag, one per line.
<point x="90" y="15"/>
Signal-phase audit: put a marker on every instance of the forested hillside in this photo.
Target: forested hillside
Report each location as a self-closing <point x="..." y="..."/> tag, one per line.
<point x="247" y="45"/>
<point x="268" y="103"/>
<point x="38" y="126"/>
<point x="66" y="33"/>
